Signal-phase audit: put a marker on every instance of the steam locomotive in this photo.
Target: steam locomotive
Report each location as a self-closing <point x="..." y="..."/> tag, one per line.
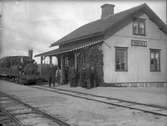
<point x="20" y="69"/>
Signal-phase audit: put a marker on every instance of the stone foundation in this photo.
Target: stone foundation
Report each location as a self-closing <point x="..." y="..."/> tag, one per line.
<point x="136" y="84"/>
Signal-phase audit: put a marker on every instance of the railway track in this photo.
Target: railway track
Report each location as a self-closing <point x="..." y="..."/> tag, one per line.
<point x="147" y="108"/>
<point x="7" y="120"/>
<point x="22" y="114"/>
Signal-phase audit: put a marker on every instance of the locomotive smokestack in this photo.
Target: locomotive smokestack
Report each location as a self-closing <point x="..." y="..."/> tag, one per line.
<point x="30" y="53"/>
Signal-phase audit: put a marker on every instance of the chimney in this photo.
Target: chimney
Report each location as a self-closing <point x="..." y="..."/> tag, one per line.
<point x="107" y="10"/>
<point x="30" y="53"/>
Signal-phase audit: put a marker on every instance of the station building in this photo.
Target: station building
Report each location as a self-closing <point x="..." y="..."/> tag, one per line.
<point x="128" y="48"/>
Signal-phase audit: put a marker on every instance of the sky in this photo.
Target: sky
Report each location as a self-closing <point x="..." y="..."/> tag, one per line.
<point x="27" y="24"/>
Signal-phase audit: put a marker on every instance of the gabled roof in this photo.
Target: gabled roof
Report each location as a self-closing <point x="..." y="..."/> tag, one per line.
<point x="99" y="27"/>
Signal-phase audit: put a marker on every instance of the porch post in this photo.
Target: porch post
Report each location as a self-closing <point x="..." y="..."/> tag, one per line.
<point x="61" y="61"/>
<point x="50" y="59"/>
<point x="41" y="66"/>
<point x="62" y="69"/>
<point x="75" y="60"/>
<point x="41" y="59"/>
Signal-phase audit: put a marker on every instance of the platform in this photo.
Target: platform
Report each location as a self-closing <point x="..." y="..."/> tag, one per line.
<point x="81" y="112"/>
<point x="147" y="95"/>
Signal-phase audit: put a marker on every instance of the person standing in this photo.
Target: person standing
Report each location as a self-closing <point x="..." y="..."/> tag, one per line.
<point x="92" y="77"/>
<point x="72" y="75"/>
<point x="88" y="84"/>
<point x="77" y="78"/>
<point x="52" y="72"/>
<point x="82" y="79"/>
<point x="66" y="74"/>
<point x="58" y="75"/>
<point x="54" y="75"/>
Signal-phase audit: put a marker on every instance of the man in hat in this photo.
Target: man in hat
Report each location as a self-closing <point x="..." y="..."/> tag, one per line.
<point x="92" y="77"/>
<point x="52" y="75"/>
<point x="72" y="75"/>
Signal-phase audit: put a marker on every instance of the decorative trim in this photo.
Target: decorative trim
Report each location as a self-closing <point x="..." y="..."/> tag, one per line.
<point x="80" y="47"/>
<point x="84" y="45"/>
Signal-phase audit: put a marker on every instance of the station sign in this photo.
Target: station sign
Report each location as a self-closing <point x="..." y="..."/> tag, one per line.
<point x="141" y="43"/>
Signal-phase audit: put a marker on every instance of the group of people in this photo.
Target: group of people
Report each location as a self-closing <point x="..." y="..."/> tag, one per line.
<point x="54" y="75"/>
<point x="88" y="77"/>
<point x="85" y="77"/>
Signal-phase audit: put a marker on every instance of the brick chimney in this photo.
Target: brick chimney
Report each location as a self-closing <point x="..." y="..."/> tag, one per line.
<point x="107" y="10"/>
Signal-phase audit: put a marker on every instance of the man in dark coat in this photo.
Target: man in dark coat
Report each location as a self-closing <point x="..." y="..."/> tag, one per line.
<point x="66" y="74"/>
<point x="72" y="75"/>
<point x="92" y="77"/>
<point x="77" y="78"/>
<point x="88" y="84"/>
<point x="58" y="75"/>
<point x="83" y="76"/>
<point x="52" y="75"/>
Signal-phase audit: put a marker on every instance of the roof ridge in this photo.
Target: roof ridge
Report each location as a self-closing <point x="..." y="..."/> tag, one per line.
<point x="98" y="20"/>
<point x="99" y="26"/>
<point x="124" y="11"/>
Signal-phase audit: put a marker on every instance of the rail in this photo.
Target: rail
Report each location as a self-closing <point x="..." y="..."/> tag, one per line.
<point x="34" y="110"/>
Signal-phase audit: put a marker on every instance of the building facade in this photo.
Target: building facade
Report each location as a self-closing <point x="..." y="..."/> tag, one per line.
<point x="128" y="48"/>
<point x="144" y="56"/>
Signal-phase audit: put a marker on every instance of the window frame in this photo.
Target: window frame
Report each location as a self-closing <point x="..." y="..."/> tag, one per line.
<point x="159" y="52"/>
<point x="139" y="20"/>
<point x="126" y="65"/>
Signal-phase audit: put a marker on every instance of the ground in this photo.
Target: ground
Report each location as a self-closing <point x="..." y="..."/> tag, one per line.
<point x="148" y="95"/>
<point x="80" y="112"/>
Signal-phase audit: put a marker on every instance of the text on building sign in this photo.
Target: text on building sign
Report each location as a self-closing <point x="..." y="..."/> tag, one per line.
<point x="138" y="43"/>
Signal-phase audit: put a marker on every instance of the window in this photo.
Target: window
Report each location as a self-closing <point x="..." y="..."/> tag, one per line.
<point x="155" y="60"/>
<point x="139" y="26"/>
<point x="121" y="59"/>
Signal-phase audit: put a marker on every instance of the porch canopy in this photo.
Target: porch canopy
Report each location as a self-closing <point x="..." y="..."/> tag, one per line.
<point x="73" y="47"/>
